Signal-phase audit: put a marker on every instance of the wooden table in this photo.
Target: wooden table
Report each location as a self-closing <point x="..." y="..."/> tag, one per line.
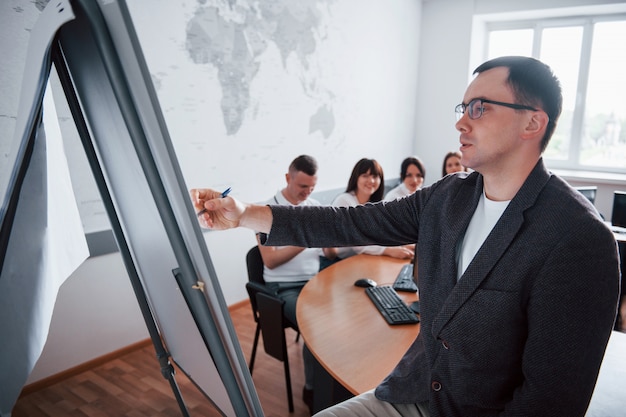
<point x="342" y="328"/>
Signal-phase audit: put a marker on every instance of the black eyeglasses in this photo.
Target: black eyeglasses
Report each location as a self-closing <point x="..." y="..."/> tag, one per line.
<point x="475" y="108"/>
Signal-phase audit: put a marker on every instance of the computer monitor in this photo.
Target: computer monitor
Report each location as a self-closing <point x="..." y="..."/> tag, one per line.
<point x="589" y="192"/>
<point x="618" y="218"/>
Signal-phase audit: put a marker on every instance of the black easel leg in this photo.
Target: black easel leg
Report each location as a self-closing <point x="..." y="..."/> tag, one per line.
<point x="167" y="370"/>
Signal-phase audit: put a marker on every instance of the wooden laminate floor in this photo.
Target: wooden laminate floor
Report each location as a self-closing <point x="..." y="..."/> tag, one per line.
<point x="132" y="385"/>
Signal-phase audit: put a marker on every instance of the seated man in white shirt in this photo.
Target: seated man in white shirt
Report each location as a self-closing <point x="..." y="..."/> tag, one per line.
<point x="287" y="268"/>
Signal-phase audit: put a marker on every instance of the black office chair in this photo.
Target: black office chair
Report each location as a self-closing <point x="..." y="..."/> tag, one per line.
<point x="267" y="310"/>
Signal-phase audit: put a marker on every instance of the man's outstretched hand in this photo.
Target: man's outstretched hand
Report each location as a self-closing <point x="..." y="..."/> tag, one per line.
<point x="221" y="213"/>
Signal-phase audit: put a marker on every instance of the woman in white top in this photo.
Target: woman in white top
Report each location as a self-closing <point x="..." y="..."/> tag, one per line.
<point x="412" y="175"/>
<point x="366" y="185"/>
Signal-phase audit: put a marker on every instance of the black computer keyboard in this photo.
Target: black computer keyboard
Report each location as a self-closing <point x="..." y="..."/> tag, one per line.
<point x="390" y="305"/>
<point x="404" y="280"/>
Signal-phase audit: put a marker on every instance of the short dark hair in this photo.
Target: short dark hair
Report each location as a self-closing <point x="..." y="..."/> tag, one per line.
<point x="411" y="160"/>
<point x="304" y="163"/>
<point x="533" y="84"/>
<point x="362" y="167"/>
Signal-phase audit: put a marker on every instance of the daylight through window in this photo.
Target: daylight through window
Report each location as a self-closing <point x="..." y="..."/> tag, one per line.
<point x="589" y="57"/>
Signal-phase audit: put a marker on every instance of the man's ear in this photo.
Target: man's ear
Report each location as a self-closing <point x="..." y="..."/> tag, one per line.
<point x="536" y="124"/>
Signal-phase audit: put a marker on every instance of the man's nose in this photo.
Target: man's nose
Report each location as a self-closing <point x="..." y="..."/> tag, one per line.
<point x="461" y="125"/>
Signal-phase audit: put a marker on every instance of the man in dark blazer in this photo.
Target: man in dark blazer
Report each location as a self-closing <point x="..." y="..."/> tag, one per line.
<point x="518" y="275"/>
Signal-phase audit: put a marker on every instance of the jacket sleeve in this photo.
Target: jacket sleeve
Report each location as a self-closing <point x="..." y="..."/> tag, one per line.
<point x="385" y="223"/>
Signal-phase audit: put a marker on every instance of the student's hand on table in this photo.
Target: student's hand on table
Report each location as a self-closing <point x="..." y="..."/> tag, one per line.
<point x="400" y="252"/>
<point x="330" y="253"/>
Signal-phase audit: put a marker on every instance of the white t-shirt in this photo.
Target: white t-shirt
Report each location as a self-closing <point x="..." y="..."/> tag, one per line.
<point x="485" y="217"/>
<point x="350" y="200"/>
<point x="397" y="192"/>
<point x="304" y="265"/>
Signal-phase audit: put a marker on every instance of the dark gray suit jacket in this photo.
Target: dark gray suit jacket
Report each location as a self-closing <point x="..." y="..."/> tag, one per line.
<point x="524" y="330"/>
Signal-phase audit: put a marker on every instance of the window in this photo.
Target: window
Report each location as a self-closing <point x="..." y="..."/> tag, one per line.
<point x="588" y="56"/>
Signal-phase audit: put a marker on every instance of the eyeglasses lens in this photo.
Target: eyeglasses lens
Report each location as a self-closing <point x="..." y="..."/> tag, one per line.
<point x="475" y="109"/>
<point x="459" y="110"/>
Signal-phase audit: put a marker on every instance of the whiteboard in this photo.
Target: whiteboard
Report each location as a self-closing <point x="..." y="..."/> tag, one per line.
<point x="119" y="120"/>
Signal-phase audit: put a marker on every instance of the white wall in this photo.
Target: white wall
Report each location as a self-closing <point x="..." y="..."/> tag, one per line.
<point x="96" y="313"/>
<point x="442" y="78"/>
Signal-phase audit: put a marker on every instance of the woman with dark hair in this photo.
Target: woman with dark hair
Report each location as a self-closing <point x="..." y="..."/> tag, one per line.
<point x="366" y="185"/>
<point x="452" y="163"/>
<point x="412" y="174"/>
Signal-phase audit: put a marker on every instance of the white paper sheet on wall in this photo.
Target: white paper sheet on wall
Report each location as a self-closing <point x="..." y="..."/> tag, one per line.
<point x="47" y="242"/>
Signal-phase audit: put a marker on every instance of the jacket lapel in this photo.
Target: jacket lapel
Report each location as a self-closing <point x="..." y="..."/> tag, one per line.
<point x="458" y="217"/>
<point x="497" y="242"/>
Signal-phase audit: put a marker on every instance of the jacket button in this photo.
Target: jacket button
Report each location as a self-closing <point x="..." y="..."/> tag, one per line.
<point x="445" y="344"/>
<point x="436" y="386"/>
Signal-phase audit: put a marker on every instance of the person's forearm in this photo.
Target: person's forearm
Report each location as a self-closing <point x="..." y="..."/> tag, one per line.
<point x="274" y="256"/>
<point x="330" y="253"/>
<point x="257" y="218"/>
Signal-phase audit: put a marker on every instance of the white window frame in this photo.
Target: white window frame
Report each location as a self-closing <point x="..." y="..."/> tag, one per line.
<point x="537" y="21"/>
